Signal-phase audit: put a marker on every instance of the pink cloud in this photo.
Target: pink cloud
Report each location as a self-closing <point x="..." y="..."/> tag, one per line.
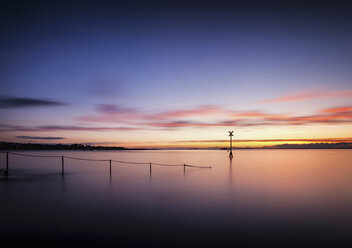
<point x="131" y="119"/>
<point x="258" y="114"/>
<point x="310" y="95"/>
<point x="337" y="109"/>
<point x="333" y="115"/>
<point x="114" y="113"/>
<point x="325" y="116"/>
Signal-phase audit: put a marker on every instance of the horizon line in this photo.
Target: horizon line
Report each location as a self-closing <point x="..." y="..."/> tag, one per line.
<point x="346" y="142"/>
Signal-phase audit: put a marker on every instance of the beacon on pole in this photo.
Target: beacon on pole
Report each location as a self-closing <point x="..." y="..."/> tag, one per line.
<point x="231" y="134"/>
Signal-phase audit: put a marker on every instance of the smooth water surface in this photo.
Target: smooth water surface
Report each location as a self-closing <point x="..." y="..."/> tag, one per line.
<point x="276" y="196"/>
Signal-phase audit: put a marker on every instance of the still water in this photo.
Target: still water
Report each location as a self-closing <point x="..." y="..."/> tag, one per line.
<point x="259" y="197"/>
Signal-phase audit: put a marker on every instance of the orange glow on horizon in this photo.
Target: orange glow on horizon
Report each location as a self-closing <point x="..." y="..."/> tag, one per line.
<point x="225" y="143"/>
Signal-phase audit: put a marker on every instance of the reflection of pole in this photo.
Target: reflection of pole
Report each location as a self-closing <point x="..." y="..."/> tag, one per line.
<point x="7" y="165"/>
<point x="110" y="166"/>
<point x="230" y="173"/>
<point x="62" y="165"/>
<point x="150" y="171"/>
<point x="230" y="144"/>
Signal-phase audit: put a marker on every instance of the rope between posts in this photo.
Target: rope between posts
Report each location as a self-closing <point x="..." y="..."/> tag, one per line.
<point x="126" y="162"/>
<point x="169" y="164"/>
<point x="196" y="166"/>
<point x="30" y="155"/>
<point x="87" y="159"/>
<point x="104" y="160"/>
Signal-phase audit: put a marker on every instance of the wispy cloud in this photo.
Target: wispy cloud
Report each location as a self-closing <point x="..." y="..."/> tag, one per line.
<point x="116" y="113"/>
<point x="341" y="109"/>
<point x="115" y="109"/>
<point x="39" y="138"/>
<point x="19" y="102"/>
<point x="200" y="117"/>
<point x="310" y="95"/>
<point x="121" y="120"/>
<point x="183" y="113"/>
<point x="82" y="128"/>
<point x="11" y="128"/>
<point x="110" y="113"/>
<point x="325" y="116"/>
<point x="258" y="114"/>
<point x="181" y="124"/>
<point x="333" y="115"/>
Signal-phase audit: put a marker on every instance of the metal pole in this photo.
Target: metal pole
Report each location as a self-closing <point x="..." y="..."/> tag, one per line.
<point x="231" y="134"/>
<point x="62" y="165"/>
<point x="110" y="166"/>
<point x="7" y="165"/>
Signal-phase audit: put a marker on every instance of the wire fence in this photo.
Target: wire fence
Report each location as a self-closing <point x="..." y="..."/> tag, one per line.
<point x="63" y="157"/>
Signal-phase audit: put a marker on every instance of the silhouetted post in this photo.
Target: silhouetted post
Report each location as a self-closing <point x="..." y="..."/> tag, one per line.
<point x="231" y="134"/>
<point x="184" y="169"/>
<point x="62" y="165"/>
<point x="110" y="166"/>
<point x="150" y="170"/>
<point x="7" y="165"/>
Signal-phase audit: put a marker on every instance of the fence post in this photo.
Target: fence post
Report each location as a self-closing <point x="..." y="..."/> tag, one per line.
<point x="62" y="165"/>
<point x="150" y="169"/>
<point x="110" y="166"/>
<point x="7" y="165"/>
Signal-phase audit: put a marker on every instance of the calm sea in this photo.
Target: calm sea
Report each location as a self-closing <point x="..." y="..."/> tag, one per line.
<point x="281" y="197"/>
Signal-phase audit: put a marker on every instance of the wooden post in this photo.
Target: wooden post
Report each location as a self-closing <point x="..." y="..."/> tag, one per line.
<point x="7" y="165"/>
<point x="184" y="169"/>
<point x="150" y="170"/>
<point x="110" y="166"/>
<point x="62" y="165"/>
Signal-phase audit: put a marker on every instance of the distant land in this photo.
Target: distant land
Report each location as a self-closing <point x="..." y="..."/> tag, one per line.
<point x="35" y="146"/>
<point x="82" y="147"/>
<point x="341" y="145"/>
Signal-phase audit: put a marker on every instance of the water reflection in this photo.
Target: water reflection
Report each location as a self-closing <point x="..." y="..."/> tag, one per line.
<point x="150" y="172"/>
<point x="251" y="190"/>
<point x="63" y="183"/>
<point x="110" y="180"/>
<point x="230" y="171"/>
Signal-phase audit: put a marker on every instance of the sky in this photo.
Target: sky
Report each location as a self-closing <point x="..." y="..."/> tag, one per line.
<point x="175" y="73"/>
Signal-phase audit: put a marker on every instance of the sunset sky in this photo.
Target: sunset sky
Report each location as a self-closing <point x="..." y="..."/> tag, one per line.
<point x="175" y="73"/>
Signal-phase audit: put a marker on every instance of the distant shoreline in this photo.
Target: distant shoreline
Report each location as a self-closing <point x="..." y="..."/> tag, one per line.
<point x="82" y="147"/>
<point x="61" y="147"/>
